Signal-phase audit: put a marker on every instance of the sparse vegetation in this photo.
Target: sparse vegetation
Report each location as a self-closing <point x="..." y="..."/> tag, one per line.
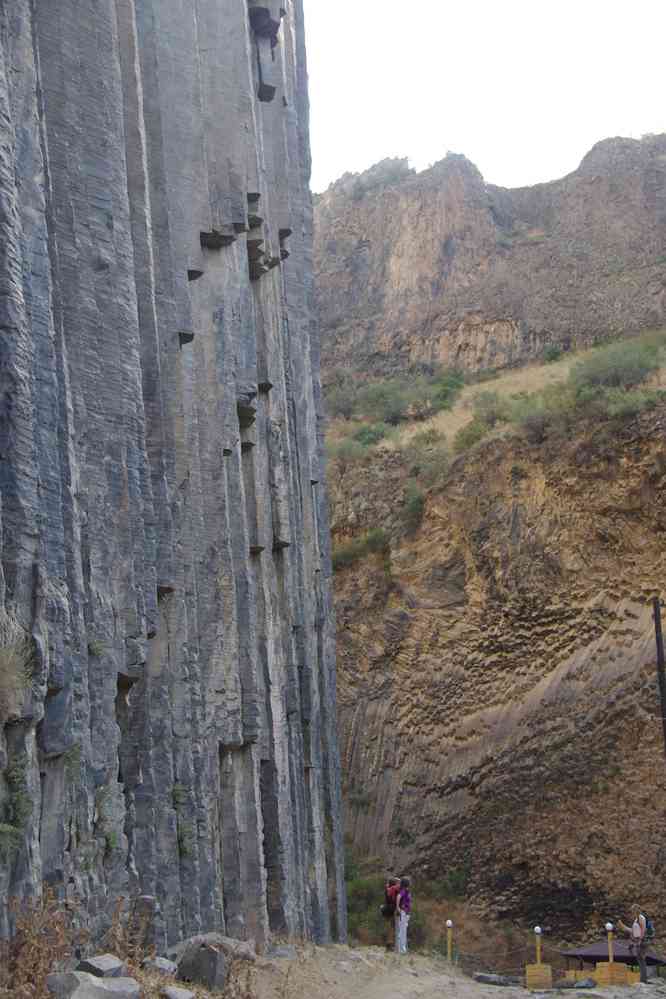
<point x="490" y="408"/>
<point x="607" y="384"/>
<point x="414" y="506"/>
<point x="97" y="647"/>
<point x="360" y="800"/>
<point x="346" y="452"/>
<point x="416" y="395"/>
<point x="374" y="542"/>
<point x="16" y="665"/>
<point x="469" y="435"/>
<point x="18" y="808"/>
<point x="372" y="433"/>
<point x="552" y="353"/>
<point x="45" y="938"/>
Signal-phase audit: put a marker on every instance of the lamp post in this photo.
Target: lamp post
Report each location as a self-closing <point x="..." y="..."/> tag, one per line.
<point x="449" y="940"/>
<point x="537" y="931"/>
<point x="609" y="931"/>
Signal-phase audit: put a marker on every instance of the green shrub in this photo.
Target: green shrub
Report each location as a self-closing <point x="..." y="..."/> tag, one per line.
<point x="414" y="506"/>
<point x="97" y="647"/>
<point x="365" y="896"/>
<point x="490" y="408"/>
<point x="371" y="434"/>
<point x="445" y="389"/>
<point x="469" y="435"/>
<point x="619" y="365"/>
<point x="360" y="800"/>
<point x="374" y="542"/>
<point x="552" y="353"/>
<point x="419" y="393"/>
<point x="624" y="404"/>
<point x="385" y="402"/>
<point x="425" y="439"/>
<point x="346" y="452"/>
<point x="377" y="541"/>
<point x="534" y="417"/>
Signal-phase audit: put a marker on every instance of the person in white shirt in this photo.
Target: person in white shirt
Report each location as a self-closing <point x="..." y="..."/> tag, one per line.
<point x="639" y="944"/>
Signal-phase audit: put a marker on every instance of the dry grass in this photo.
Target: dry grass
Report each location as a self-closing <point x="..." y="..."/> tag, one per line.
<point x="46" y="937"/>
<point x="16" y="666"/>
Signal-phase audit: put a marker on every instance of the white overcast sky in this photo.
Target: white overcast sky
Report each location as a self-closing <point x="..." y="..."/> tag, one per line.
<point x="523" y="88"/>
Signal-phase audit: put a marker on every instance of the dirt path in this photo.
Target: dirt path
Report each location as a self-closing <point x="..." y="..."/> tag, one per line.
<point x="369" y="973"/>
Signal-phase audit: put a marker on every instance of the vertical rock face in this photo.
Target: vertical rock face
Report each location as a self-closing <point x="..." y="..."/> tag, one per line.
<point x="164" y="529"/>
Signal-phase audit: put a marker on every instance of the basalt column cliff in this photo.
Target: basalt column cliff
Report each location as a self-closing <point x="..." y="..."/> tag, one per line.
<point x="167" y="694"/>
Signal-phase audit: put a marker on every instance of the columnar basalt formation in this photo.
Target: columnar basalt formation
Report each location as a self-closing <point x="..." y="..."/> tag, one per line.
<point x="441" y="267"/>
<point x="164" y="527"/>
<point x="500" y="721"/>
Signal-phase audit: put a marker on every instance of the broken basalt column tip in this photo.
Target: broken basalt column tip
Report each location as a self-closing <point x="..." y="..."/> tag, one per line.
<point x="217" y="239"/>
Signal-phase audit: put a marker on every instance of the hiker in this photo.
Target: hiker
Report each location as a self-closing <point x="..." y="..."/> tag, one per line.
<point x="388" y="910"/>
<point x="641" y="932"/>
<point x="403" y="912"/>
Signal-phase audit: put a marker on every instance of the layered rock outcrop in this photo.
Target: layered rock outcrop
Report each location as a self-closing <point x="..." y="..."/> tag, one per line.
<point x="165" y="556"/>
<point x="499" y="713"/>
<point x="442" y="267"/>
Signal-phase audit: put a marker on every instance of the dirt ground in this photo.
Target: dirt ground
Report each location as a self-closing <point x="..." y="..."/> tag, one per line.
<point x="339" y="972"/>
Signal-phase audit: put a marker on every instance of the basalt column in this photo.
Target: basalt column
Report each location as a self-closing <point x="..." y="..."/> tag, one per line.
<point x="169" y="731"/>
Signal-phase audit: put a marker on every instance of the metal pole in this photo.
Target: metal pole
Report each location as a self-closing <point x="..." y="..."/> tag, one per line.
<point x="661" y="672"/>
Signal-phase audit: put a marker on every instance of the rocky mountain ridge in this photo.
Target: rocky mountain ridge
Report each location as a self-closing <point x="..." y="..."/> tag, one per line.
<point x="441" y="267"/>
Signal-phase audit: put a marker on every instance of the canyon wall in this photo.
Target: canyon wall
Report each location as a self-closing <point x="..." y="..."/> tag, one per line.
<point x="499" y="713"/>
<point x="170" y="731"/>
<point x="441" y="267"/>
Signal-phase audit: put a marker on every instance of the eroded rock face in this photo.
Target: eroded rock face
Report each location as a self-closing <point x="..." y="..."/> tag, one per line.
<point x="499" y="711"/>
<point x="164" y="528"/>
<point x="442" y="267"/>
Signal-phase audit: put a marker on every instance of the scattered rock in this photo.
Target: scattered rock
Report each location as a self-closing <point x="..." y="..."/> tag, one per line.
<point x="104" y="966"/>
<point x="503" y="980"/>
<point x="172" y="992"/>
<point x="81" y="985"/>
<point x="287" y="952"/>
<point x="160" y="965"/>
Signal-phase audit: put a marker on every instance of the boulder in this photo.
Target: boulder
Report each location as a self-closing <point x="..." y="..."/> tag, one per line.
<point x="104" y="966"/>
<point x="205" y="959"/>
<point x="503" y="980"/>
<point x="172" y="992"/>
<point x="160" y="966"/>
<point x="240" y="949"/>
<point x="81" y="985"/>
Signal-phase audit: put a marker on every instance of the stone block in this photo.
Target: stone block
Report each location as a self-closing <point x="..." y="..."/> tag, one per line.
<point x="160" y="966"/>
<point x="80" y="985"/>
<point x="103" y="966"/>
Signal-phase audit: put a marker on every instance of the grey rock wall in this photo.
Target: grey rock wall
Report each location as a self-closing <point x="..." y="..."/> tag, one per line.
<point x="164" y="529"/>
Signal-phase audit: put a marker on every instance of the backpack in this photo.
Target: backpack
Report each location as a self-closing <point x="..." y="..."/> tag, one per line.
<point x="649" y="927"/>
<point x="388" y="908"/>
